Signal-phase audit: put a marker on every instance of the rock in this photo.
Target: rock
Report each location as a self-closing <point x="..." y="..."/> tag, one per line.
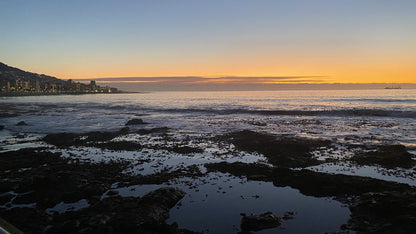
<point x="5" y="198"/>
<point x="26" y="198"/>
<point x="185" y="150"/>
<point x="1" y="127"/>
<point x="21" y="123"/>
<point x="112" y="192"/>
<point x="308" y="182"/>
<point x="161" y="130"/>
<point x="390" y="156"/>
<point x="135" y="122"/>
<point x="260" y="222"/>
<point x="167" y="197"/>
<point x="384" y="212"/>
<point x="283" y="152"/>
<point x="94" y="139"/>
<point x="288" y="215"/>
<point x="117" y="214"/>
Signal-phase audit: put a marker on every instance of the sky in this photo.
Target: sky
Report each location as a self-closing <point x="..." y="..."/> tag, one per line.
<point x="292" y="41"/>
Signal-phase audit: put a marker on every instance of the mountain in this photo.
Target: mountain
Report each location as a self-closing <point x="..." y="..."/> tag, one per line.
<point x="12" y="74"/>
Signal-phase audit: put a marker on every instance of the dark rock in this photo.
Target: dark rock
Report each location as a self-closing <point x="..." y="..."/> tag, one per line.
<point x="112" y="193"/>
<point x="27" y="220"/>
<point x="308" y="182"/>
<point x="260" y="222"/>
<point x="384" y="212"/>
<point x="26" y="198"/>
<point x="5" y="198"/>
<point x="8" y="115"/>
<point x="167" y="196"/>
<point x="7" y="186"/>
<point x="1" y="127"/>
<point x="288" y="215"/>
<point x="386" y="156"/>
<point x="96" y="139"/>
<point x="21" y="123"/>
<point x="119" y="145"/>
<point x="283" y="152"/>
<point x="135" y="122"/>
<point x="153" y="130"/>
<point x="185" y="150"/>
<point x="51" y="180"/>
<point x="123" y="215"/>
<point x="124" y="130"/>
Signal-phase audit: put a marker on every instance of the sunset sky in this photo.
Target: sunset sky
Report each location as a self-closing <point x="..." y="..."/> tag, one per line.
<point x="321" y="41"/>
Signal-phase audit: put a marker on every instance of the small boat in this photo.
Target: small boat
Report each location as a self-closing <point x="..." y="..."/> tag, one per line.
<point x="393" y="87"/>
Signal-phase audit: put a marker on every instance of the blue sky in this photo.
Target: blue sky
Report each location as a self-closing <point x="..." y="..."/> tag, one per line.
<point x="76" y="39"/>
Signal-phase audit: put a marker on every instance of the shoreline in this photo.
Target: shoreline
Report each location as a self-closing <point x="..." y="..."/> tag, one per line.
<point x="57" y="94"/>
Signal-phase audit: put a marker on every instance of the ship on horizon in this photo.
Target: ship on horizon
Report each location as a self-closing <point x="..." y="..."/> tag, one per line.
<point x="393" y="87"/>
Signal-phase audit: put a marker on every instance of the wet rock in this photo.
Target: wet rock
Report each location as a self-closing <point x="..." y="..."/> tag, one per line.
<point x="260" y="222"/>
<point x="6" y="186"/>
<point x="5" y="198"/>
<point x="308" y="182"/>
<point x="34" y="220"/>
<point x="85" y="139"/>
<point x="118" y="145"/>
<point x="161" y="130"/>
<point x="166" y="196"/>
<point x="112" y="193"/>
<point x="384" y="212"/>
<point x="386" y="156"/>
<point x="52" y="180"/>
<point x="123" y="215"/>
<point x="288" y="215"/>
<point x="1" y="127"/>
<point x="24" y="199"/>
<point x="8" y="115"/>
<point x="135" y="122"/>
<point x="21" y="123"/>
<point x="185" y="149"/>
<point x="283" y="152"/>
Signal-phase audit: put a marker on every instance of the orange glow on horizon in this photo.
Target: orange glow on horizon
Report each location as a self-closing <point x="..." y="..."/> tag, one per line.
<point x="340" y="69"/>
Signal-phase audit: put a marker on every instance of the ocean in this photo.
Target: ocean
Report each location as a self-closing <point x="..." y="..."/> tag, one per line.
<point x="370" y="116"/>
<point x="347" y="118"/>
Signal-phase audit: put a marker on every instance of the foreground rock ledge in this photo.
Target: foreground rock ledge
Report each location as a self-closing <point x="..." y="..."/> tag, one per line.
<point x="259" y="222"/>
<point x="124" y="215"/>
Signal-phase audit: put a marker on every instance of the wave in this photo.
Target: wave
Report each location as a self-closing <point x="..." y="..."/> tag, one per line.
<point x="376" y="100"/>
<point x="337" y="113"/>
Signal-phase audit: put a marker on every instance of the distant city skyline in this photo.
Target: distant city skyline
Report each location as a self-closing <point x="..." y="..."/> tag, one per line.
<point x="323" y="41"/>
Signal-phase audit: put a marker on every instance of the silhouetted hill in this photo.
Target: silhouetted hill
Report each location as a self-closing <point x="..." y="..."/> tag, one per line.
<point x="16" y="82"/>
<point x="11" y="74"/>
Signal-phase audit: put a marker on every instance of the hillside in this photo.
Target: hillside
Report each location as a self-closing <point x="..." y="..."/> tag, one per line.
<point x="12" y="74"/>
<point x="14" y="81"/>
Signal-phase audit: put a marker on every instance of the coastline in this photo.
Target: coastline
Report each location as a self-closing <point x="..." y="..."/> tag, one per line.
<point x="23" y="94"/>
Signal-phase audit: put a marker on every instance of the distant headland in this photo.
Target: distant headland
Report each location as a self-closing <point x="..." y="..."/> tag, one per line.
<point x="16" y="82"/>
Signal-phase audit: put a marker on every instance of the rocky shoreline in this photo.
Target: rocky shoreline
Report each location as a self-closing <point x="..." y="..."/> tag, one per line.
<point x="35" y="182"/>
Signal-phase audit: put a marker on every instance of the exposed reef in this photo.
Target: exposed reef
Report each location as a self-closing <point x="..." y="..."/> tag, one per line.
<point x="283" y="152"/>
<point x="34" y="181"/>
<point x="389" y="156"/>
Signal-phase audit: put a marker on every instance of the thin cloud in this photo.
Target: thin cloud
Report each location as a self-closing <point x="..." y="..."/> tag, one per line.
<point x="216" y="80"/>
